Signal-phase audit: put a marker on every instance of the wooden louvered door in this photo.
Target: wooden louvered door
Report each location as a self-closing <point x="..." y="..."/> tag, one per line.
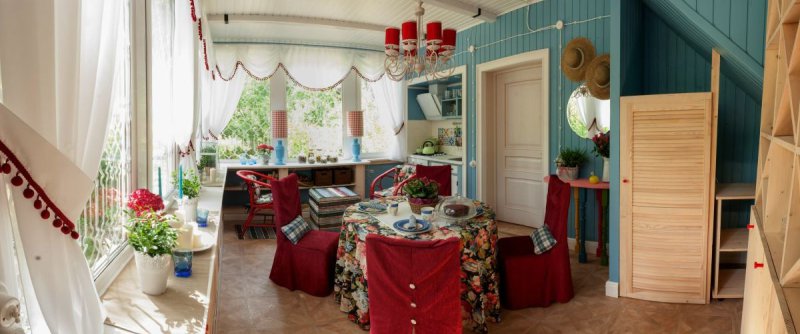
<point x="666" y="191"/>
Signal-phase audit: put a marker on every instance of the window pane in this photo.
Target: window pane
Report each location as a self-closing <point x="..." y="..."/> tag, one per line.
<point x="377" y="132"/>
<point x="315" y="120"/>
<point x="250" y="124"/>
<point x="164" y="151"/>
<point x="101" y="224"/>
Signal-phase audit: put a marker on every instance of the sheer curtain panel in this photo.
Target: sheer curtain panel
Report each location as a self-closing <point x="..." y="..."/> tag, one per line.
<point x="57" y="80"/>
<point x="389" y="100"/>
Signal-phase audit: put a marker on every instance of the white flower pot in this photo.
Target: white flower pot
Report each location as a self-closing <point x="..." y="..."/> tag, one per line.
<point x="567" y="173"/>
<point x="189" y="207"/>
<point x="153" y="272"/>
<point x="606" y="170"/>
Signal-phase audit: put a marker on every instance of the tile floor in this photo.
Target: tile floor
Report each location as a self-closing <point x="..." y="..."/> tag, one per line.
<point x="250" y="303"/>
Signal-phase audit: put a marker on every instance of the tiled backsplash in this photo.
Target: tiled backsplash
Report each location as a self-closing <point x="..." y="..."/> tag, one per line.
<point x="449" y="136"/>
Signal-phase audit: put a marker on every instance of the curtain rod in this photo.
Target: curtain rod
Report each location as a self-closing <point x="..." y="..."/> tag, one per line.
<point x="305" y="44"/>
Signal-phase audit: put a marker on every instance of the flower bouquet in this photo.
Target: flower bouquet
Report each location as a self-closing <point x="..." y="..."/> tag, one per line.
<point x="265" y="151"/>
<point x="602" y="148"/>
<point x="152" y="239"/>
<point x="142" y="200"/>
<point x="421" y="192"/>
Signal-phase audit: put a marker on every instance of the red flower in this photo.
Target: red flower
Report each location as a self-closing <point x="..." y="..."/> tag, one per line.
<point x="142" y="200"/>
<point x="265" y="147"/>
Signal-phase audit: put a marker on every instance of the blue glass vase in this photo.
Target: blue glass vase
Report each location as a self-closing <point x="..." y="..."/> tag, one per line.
<point x="279" y="152"/>
<point x="356" y="150"/>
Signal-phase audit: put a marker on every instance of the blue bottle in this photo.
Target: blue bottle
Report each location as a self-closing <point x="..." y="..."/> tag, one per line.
<point x="356" y="150"/>
<point x="279" y="152"/>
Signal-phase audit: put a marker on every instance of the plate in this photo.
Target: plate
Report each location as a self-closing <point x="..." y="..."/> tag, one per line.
<point x="424" y="226"/>
<point x="373" y="207"/>
<point x="207" y="240"/>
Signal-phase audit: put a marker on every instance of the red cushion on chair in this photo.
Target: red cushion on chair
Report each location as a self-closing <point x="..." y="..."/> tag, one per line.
<point x="432" y="267"/>
<point x="309" y="265"/>
<point x="440" y="174"/>
<point x="527" y="279"/>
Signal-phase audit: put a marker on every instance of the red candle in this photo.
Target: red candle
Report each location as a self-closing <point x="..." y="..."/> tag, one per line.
<point x="410" y="30"/>
<point x="449" y="37"/>
<point x="434" y="32"/>
<point x="392" y="36"/>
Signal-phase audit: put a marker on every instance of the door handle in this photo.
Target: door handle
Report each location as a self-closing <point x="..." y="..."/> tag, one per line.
<point x="624" y="180"/>
<point x="757" y="265"/>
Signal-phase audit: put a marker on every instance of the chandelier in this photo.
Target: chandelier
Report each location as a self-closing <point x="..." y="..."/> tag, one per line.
<point x="403" y="57"/>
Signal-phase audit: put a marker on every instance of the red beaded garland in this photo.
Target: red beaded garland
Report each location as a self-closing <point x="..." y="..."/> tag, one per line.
<point x="16" y="180"/>
<point x="57" y="223"/>
<point x="6" y="168"/>
<point x="74" y="235"/>
<point x="28" y="193"/>
<point x="37" y="204"/>
<point x="45" y="214"/>
<point x="65" y="230"/>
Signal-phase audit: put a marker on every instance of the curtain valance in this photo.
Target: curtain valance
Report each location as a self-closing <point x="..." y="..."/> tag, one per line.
<point x="312" y="67"/>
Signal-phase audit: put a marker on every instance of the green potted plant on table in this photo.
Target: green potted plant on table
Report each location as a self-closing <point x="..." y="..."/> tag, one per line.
<point x="191" y="191"/>
<point x="568" y="163"/>
<point x="152" y="239"/>
<point x="421" y="192"/>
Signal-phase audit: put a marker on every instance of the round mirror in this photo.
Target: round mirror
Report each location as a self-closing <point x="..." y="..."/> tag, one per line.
<point x="586" y="115"/>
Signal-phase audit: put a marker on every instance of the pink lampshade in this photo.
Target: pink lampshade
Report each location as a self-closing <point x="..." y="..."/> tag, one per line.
<point x="355" y="123"/>
<point x="434" y="31"/>
<point x="392" y="36"/>
<point x="280" y="126"/>
<point x="409" y="30"/>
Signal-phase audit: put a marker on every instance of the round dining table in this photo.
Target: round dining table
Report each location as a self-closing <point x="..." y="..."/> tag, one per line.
<point x="479" y="281"/>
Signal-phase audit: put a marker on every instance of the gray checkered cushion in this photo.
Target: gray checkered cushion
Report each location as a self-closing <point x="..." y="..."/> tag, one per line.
<point x="296" y="229"/>
<point x="543" y="240"/>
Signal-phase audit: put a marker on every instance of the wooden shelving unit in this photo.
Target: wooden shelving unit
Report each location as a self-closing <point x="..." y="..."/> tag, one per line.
<point x="729" y="276"/>
<point x="772" y="284"/>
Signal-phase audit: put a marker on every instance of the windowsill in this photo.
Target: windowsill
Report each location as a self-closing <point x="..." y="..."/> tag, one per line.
<point x="188" y="304"/>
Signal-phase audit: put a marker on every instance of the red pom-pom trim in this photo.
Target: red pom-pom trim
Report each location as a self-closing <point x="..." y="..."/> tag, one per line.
<point x="65" y="230"/>
<point x="33" y="188"/>
<point x="28" y="192"/>
<point x="194" y="15"/>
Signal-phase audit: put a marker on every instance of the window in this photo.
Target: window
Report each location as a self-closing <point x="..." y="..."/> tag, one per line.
<point x="164" y="152"/>
<point x="314" y="119"/>
<point x="101" y="223"/>
<point x="250" y="124"/>
<point x="377" y="135"/>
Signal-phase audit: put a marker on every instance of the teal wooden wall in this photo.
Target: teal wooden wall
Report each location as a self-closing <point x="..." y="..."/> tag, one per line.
<point x="509" y="35"/>
<point x="742" y="21"/>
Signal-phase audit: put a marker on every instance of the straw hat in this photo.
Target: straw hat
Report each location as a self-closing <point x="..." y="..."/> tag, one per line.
<point x="576" y="57"/>
<point x="598" y="77"/>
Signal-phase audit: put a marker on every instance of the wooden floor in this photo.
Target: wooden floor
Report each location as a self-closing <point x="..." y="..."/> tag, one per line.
<point x="250" y="303"/>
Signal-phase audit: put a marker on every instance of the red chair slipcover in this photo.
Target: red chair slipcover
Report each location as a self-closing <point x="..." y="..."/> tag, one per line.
<point x="527" y="279"/>
<point x="307" y="266"/>
<point x="414" y="285"/>
<point x="439" y="174"/>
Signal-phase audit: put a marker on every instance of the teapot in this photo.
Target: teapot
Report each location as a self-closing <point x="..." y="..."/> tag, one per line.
<point x="428" y="148"/>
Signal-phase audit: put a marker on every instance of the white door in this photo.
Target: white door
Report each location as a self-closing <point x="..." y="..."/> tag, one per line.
<point x="520" y="146"/>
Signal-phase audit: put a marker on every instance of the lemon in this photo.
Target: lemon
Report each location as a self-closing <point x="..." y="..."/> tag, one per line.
<point x="594" y="179"/>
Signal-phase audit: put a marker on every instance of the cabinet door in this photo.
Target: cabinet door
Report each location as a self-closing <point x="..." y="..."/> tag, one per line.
<point x="666" y="192"/>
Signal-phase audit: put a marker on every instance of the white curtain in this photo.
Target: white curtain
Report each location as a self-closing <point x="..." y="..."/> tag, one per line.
<point x="221" y="98"/>
<point x="389" y="100"/>
<point x="183" y="73"/>
<point x="311" y="66"/>
<point x="58" y="70"/>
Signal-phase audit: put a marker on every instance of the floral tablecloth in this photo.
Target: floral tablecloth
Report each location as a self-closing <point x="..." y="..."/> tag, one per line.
<point x="479" y="281"/>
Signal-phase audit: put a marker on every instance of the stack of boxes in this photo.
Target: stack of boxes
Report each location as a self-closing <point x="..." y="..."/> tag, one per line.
<point x="328" y="205"/>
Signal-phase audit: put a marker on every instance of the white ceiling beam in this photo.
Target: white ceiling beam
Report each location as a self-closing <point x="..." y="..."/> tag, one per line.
<point x="266" y="18"/>
<point x="464" y="9"/>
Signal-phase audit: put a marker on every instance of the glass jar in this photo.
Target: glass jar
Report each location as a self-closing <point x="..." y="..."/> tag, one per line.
<point x="456" y="208"/>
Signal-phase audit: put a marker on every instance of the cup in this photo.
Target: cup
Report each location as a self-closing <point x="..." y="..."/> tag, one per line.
<point x="427" y="213"/>
<point x="393" y="208"/>
<point x="182" y="258"/>
<point x="202" y="217"/>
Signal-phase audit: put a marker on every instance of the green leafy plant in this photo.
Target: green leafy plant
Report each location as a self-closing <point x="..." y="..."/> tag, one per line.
<point x="421" y="188"/>
<point x="150" y="233"/>
<point x="207" y="161"/>
<point x="191" y="183"/>
<point x="571" y="157"/>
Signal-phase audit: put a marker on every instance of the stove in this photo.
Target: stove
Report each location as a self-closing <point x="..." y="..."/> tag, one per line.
<point x="440" y="154"/>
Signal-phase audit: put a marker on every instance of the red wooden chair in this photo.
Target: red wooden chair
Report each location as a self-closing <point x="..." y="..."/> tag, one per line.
<point x="307" y="266"/>
<point x="414" y="286"/>
<point x="530" y="280"/>
<point x="257" y="184"/>
<point x="398" y="175"/>
<point x="440" y="174"/>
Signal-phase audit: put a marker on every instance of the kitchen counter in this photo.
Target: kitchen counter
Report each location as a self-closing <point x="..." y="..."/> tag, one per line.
<point x="440" y="158"/>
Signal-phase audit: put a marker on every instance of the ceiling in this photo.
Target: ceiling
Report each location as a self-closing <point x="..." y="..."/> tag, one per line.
<point x="321" y="22"/>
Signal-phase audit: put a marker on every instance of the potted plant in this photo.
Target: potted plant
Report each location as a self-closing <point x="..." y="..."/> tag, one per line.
<point x="265" y="151"/>
<point x="421" y="192"/>
<point x="152" y="239"/>
<point x="568" y="163"/>
<point x="602" y="148"/>
<point x="191" y="190"/>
